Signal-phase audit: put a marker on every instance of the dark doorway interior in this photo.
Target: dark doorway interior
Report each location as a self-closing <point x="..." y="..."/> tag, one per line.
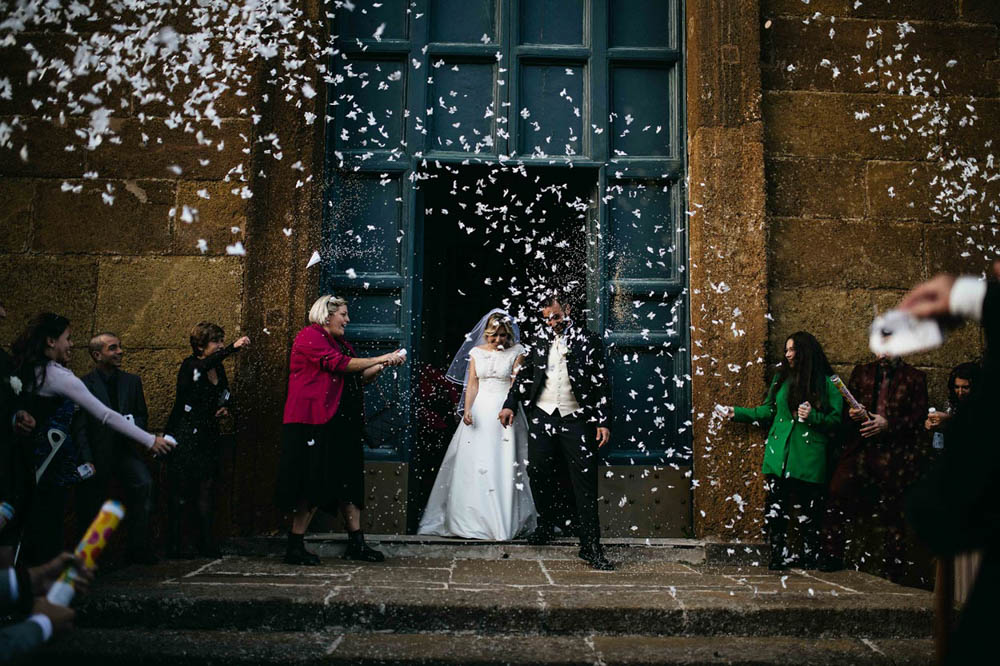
<point x="492" y="237"/>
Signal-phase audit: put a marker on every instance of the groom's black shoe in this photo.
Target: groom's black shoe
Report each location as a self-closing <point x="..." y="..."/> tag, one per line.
<point x="594" y="556"/>
<point x="540" y="536"/>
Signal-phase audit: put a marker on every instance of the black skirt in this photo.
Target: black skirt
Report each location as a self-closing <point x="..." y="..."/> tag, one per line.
<point x="198" y="454"/>
<point x="323" y="464"/>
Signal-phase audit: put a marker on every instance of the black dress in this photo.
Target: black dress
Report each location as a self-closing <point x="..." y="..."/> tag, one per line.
<point x="193" y="421"/>
<point x="325" y="464"/>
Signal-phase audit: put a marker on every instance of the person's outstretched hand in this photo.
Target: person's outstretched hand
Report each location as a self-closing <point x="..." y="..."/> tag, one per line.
<point x="60" y="616"/>
<point x="242" y="342"/>
<point x="44" y="575"/>
<point x="24" y="422"/>
<point x="161" y="446"/>
<point x="931" y="298"/>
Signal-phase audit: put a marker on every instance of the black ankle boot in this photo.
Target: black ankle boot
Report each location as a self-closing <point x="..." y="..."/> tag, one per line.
<point x="357" y="549"/>
<point x="296" y="552"/>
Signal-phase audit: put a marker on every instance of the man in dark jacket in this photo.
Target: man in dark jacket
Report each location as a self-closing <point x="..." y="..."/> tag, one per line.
<point x="563" y="386"/>
<point x="955" y="508"/>
<point x="113" y="455"/>
<point x="884" y="441"/>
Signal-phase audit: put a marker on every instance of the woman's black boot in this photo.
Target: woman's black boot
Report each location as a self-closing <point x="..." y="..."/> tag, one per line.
<point x="296" y="552"/>
<point x="357" y="549"/>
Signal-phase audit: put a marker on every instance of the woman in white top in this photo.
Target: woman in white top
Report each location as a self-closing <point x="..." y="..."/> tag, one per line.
<point x="482" y="490"/>
<point x="51" y="393"/>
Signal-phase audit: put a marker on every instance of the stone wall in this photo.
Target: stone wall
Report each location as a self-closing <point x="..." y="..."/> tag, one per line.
<point x="135" y="267"/>
<point x="850" y="220"/>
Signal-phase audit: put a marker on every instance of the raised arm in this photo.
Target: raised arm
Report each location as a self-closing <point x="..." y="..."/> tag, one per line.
<point x="764" y="412"/>
<point x="60" y="381"/>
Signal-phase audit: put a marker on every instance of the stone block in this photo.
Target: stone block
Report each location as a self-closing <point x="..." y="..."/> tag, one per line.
<point x="47" y="154"/>
<point x="910" y="10"/>
<point x="158" y="370"/>
<point x="839" y="318"/>
<point x="901" y="190"/>
<point x="950" y="59"/>
<point x="150" y="150"/>
<point x="136" y="222"/>
<point x="815" y="188"/>
<point x="958" y="249"/>
<point x="154" y="302"/>
<point x="15" y="214"/>
<point x="937" y="387"/>
<point x="814" y="124"/>
<point x="769" y="8"/>
<point x="972" y="134"/>
<point x="853" y="255"/>
<point x="33" y="284"/>
<point x="792" y="50"/>
<point x="217" y="216"/>
<point x="981" y="11"/>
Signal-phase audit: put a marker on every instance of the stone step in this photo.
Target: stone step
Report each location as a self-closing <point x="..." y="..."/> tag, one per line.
<point x="505" y="596"/>
<point x="125" y="647"/>
<point x="691" y="551"/>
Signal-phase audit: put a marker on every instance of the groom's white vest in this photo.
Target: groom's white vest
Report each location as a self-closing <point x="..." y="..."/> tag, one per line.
<point x="557" y="392"/>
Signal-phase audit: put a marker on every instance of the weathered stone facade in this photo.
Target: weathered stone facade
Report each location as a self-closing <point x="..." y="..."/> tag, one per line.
<point x="789" y="192"/>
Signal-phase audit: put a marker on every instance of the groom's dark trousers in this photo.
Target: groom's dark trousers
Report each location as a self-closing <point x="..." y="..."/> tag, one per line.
<point x="553" y="439"/>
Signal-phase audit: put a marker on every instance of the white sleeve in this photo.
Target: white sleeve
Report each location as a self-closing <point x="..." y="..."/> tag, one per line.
<point x="967" y="296"/>
<point x="61" y="381"/>
<point x="45" y="623"/>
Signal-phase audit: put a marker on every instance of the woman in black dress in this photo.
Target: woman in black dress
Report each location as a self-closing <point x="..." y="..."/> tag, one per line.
<point x="202" y="400"/>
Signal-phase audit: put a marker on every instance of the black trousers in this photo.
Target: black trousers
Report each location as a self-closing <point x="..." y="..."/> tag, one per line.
<point x="785" y="496"/>
<point x="127" y="466"/>
<point x="44" y="531"/>
<point x="569" y="441"/>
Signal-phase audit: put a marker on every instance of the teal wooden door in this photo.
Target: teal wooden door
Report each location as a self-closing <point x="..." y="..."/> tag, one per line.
<point x="561" y="84"/>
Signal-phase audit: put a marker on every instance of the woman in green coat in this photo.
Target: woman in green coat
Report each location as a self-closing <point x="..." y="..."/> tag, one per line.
<point x="804" y="410"/>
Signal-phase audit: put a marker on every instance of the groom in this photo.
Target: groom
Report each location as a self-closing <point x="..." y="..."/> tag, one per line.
<point x="564" y="388"/>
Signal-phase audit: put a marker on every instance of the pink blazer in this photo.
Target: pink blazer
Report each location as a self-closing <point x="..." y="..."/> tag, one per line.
<point x="316" y="376"/>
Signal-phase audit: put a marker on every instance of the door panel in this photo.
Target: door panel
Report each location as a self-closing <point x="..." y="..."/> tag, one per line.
<point x="462" y="97"/>
<point x="552" y="22"/>
<point x="463" y="21"/>
<point x="641" y="122"/>
<point x="553" y="110"/>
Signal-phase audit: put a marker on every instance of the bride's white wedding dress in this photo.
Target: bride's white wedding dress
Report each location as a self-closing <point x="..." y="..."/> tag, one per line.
<point x="482" y="490"/>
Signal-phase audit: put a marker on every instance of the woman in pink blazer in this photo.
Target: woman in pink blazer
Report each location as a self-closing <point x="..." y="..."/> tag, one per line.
<point x="322" y="451"/>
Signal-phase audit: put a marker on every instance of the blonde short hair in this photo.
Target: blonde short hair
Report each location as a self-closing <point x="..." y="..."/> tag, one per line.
<point x="497" y="322"/>
<point x="323" y="307"/>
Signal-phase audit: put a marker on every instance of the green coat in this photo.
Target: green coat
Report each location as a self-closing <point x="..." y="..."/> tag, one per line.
<point x="795" y="449"/>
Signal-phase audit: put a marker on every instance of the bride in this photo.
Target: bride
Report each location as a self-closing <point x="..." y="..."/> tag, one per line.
<point x="481" y="490"/>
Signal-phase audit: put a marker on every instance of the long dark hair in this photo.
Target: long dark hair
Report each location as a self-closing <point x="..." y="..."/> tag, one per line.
<point x="807" y="380"/>
<point x="966" y="371"/>
<point x="29" y="348"/>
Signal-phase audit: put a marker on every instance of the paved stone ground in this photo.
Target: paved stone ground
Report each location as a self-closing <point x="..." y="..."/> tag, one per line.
<point x="551" y="609"/>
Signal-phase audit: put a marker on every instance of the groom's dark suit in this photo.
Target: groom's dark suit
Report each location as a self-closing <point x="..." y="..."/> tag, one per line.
<point x="573" y="437"/>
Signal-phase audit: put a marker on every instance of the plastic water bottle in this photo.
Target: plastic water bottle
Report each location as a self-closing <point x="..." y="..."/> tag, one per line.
<point x="937" y="441"/>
